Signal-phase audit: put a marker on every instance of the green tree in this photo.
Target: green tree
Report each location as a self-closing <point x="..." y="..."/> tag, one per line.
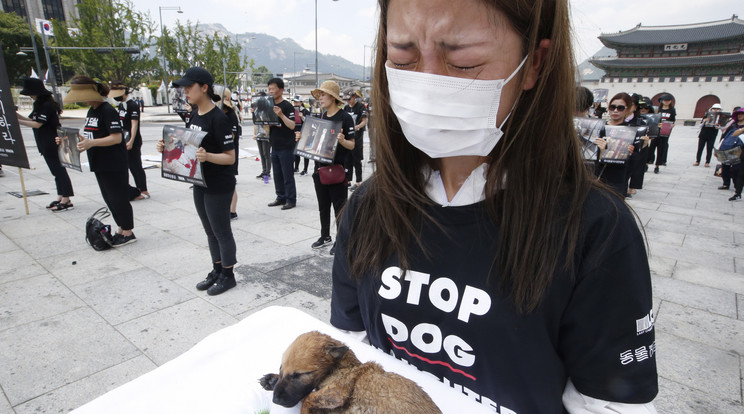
<point x="109" y="23"/>
<point x="261" y="75"/>
<point x="14" y="34"/>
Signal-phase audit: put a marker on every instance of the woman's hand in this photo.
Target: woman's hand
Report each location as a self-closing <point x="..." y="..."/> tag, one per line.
<point x="85" y="144"/>
<point x="341" y="137"/>
<point x="159" y="146"/>
<point x="202" y="154"/>
<point x="57" y="140"/>
<point x="631" y="148"/>
<point x="601" y="143"/>
<point x="298" y="135"/>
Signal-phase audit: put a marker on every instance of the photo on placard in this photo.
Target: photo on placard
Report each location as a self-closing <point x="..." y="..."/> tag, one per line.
<point x="179" y="100"/>
<point x="318" y="140"/>
<point x="264" y="113"/>
<point x="652" y="122"/>
<point x="179" y="155"/>
<point x="619" y="139"/>
<point x="68" y="152"/>
<point x="721" y="119"/>
<point x="588" y="131"/>
<point x="600" y="95"/>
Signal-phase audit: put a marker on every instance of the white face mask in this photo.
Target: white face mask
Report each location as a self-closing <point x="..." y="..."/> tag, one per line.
<point x="445" y="116"/>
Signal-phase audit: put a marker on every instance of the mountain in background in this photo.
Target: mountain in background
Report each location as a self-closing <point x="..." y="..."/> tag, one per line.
<point x="285" y="55"/>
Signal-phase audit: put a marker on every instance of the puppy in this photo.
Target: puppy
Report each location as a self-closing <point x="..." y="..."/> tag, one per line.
<point x="327" y="377"/>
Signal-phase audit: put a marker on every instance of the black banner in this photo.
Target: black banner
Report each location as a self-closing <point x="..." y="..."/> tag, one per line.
<point x="12" y="150"/>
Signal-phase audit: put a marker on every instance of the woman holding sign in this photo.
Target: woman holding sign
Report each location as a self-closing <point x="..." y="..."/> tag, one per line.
<point x="107" y="152"/>
<point x="332" y="192"/>
<point x="615" y="174"/>
<point x="217" y="156"/>
<point x="482" y="251"/>
<point x="44" y="119"/>
<point x="129" y="114"/>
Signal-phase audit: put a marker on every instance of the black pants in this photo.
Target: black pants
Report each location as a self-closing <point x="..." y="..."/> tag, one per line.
<point x="297" y="163"/>
<point x="703" y="143"/>
<point x="354" y="160"/>
<point x="738" y="177"/>
<point x="726" y="175"/>
<point x="335" y="194"/>
<point x="637" y="168"/>
<point x="61" y="178"/>
<point x="615" y="176"/>
<point x="214" y="213"/>
<point x="659" y="145"/>
<point x="135" y="166"/>
<point x="284" y="182"/>
<point x="264" y="152"/>
<point x="114" y="187"/>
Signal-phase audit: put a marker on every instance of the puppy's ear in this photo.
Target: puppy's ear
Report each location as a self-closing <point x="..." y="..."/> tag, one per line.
<point x="337" y="352"/>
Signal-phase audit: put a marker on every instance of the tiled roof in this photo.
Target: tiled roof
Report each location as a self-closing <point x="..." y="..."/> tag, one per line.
<point x="691" y="33"/>
<point x="669" y="62"/>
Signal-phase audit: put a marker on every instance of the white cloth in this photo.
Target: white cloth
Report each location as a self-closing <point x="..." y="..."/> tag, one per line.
<point x="471" y="192"/>
<point x="220" y="374"/>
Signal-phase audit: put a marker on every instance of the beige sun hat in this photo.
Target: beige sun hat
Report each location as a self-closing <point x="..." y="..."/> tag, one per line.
<point x="331" y="88"/>
<point x="118" y="89"/>
<point x="83" y="93"/>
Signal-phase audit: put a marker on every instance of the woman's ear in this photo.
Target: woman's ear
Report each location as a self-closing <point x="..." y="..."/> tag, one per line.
<point x="533" y="72"/>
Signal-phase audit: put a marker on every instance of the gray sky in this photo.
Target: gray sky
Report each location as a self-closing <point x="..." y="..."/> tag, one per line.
<point x="345" y="26"/>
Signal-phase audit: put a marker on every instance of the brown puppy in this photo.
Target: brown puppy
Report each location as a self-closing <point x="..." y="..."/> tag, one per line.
<point x="327" y="377"/>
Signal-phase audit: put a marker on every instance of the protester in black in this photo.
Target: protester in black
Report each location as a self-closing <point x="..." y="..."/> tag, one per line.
<point x="282" y="139"/>
<point x="44" y="119"/>
<point x="332" y="194"/>
<point x="355" y="107"/>
<point x="707" y="135"/>
<point x="107" y="152"/>
<point x="300" y="114"/>
<point x="615" y="175"/>
<point x="129" y="115"/>
<point x="637" y="160"/>
<point x="228" y="107"/>
<point x="661" y="144"/>
<point x="217" y="156"/>
<point x="261" y="135"/>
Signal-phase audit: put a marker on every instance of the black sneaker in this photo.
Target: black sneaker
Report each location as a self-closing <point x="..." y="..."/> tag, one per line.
<point x="208" y="281"/>
<point x="304" y="172"/>
<point x="222" y="285"/>
<point x="735" y="197"/>
<point x="723" y="187"/>
<point x="260" y="176"/>
<point x="233" y="216"/>
<point x="288" y="206"/>
<point x="121" y="240"/>
<point x="321" y="242"/>
<point x="656" y="170"/>
<point x="277" y="202"/>
<point x="333" y="249"/>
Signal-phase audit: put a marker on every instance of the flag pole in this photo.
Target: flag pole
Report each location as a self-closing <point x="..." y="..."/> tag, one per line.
<point x="23" y="189"/>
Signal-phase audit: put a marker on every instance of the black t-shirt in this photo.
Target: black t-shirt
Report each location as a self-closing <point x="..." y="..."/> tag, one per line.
<point x="48" y="117"/>
<point x="299" y="121"/>
<point x="235" y="128"/>
<point x="100" y="123"/>
<point x="360" y="111"/>
<point x="347" y="127"/>
<point x="219" y="138"/>
<point x="129" y="111"/>
<point x="594" y="326"/>
<point x="668" y="115"/>
<point x="281" y="137"/>
<point x="708" y="131"/>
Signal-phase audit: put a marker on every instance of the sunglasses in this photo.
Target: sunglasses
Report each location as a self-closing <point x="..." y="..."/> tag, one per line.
<point x="620" y="108"/>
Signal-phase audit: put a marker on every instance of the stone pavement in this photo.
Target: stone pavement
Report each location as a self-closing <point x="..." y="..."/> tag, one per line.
<point x="75" y="323"/>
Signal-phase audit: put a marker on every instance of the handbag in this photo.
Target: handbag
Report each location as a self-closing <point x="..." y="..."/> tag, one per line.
<point x="97" y="234"/>
<point x="332" y="174"/>
<point x="730" y="156"/>
<point x="666" y="129"/>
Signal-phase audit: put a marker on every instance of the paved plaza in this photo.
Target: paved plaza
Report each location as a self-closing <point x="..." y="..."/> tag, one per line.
<point x="76" y="323"/>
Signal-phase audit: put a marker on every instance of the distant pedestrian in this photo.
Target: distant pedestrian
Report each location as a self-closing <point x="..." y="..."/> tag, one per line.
<point x="660" y="145"/>
<point x="355" y="107"/>
<point x="707" y="135"/>
<point x="129" y="115"/>
<point x="732" y="137"/>
<point x="44" y="119"/>
<point x="261" y="135"/>
<point x="300" y="114"/>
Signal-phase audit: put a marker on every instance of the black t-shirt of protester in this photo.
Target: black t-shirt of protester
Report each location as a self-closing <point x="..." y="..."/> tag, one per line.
<point x="236" y="130"/>
<point x="360" y="111"/>
<point x="129" y="111"/>
<point x="219" y="138"/>
<point x="281" y="137"/>
<point x="347" y="127"/>
<point x="44" y="136"/>
<point x="668" y="115"/>
<point x="595" y="325"/>
<point x="100" y="123"/>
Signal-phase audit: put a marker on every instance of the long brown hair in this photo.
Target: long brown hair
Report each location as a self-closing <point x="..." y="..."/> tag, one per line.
<point x="539" y="207"/>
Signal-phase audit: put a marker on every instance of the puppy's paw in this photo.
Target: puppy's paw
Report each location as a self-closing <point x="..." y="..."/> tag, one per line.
<point x="268" y="381"/>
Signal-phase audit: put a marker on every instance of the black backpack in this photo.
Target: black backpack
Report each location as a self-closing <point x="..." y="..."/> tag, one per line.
<point x="97" y="234"/>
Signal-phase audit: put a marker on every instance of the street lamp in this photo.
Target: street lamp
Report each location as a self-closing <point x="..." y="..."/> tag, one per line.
<point x="165" y="80"/>
<point x="317" y="84"/>
<point x="364" y="64"/>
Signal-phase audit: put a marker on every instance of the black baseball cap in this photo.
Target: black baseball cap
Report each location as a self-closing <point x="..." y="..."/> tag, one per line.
<point x="194" y="75"/>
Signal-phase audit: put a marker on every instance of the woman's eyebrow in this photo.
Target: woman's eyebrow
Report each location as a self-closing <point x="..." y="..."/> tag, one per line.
<point x="459" y="46"/>
<point x="402" y="46"/>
